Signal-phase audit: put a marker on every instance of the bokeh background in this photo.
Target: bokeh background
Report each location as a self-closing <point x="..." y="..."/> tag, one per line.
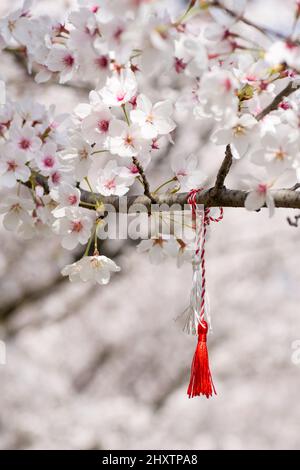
<point x="92" y="367"/>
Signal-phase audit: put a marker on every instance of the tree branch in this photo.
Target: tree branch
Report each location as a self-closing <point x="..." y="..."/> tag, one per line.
<point x="144" y="180"/>
<point x="285" y="198"/>
<point x="288" y="90"/>
<point x="224" y="198"/>
<point x="223" y="170"/>
<point x="295" y="222"/>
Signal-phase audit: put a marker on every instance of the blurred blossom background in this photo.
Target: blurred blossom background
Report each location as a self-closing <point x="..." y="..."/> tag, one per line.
<point x="91" y="367"/>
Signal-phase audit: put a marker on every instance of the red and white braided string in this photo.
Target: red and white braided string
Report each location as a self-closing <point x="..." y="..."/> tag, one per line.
<point x="201" y="232"/>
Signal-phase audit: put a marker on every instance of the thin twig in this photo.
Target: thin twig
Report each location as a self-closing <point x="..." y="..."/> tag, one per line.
<point x="223" y="171"/>
<point x="293" y="223"/>
<point x="146" y="185"/>
<point x="288" y="90"/>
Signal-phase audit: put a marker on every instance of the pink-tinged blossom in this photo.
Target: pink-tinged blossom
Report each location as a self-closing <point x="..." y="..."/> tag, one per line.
<point x="119" y="89"/>
<point x="95" y="126"/>
<point x="25" y="139"/>
<point x="190" y="56"/>
<point x="127" y="141"/>
<point x="260" y="194"/>
<point x="79" y="156"/>
<point x="95" y="269"/>
<point x="10" y="24"/>
<point x="16" y="209"/>
<point x="114" y="180"/>
<point x="46" y="159"/>
<point x="13" y="166"/>
<point x="66" y="196"/>
<point x="186" y="171"/>
<point x="276" y="151"/>
<point x="239" y="132"/>
<point x="75" y="228"/>
<point x="158" y="248"/>
<point x="153" y="120"/>
<point x="216" y="95"/>
<point x="284" y="52"/>
<point x="62" y="60"/>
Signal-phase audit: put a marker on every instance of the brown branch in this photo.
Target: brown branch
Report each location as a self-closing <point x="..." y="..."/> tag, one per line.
<point x="224" y="198"/>
<point x="286" y="198"/>
<point x="295" y="222"/>
<point x="223" y="170"/>
<point x="145" y="182"/>
<point x="288" y="90"/>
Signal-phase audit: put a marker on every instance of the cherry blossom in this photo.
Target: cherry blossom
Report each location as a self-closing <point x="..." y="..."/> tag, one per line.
<point x="277" y="152"/>
<point x="239" y="132"/>
<point x="62" y="60"/>
<point x="46" y="159"/>
<point x="260" y="194"/>
<point x="216" y="95"/>
<point x="127" y="141"/>
<point x="79" y="154"/>
<point x="75" y="227"/>
<point x="25" y="139"/>
<point x="158" y="248"/>
<point x="95" y="269"/>
<point x="114" y="180"/>
<point x="95" y="126"/>
<point x="118" y="90"/>
<point x="66" y="196"/>
<point x="187" y="173"/>
<point x="11" y="23"/>
<point x="153" y="120"/>
<point x="13" y="166"/>
<point x="190" y="56"/>
<point x="16" y="209"/>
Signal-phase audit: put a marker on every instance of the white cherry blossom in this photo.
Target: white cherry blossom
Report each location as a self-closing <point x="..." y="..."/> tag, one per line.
<point x="277" y="152"/>
<point x="127" y="141"/>
<point x="95" y="269"/>
<point x="158" y="248"/>
<point x="80" y="155"/>
<point x="75" y="227"/>
<point x="62" y="60"/>
<point x="239" y="132"/>
<point x="25" y="139"/>
<point x="66" y="196"/>
<point x="46" y="159"/>
<point x="187" y="172"/>
<point x="153" y="120"/>
<point x="216" y="95"/>
<point x="119" y="89"/>
<point x="95" y="126"/>
<point x="260" y="194"/>
<point x="13" y="166"/>
<point x="114" y="180"/>
<point x="16" y="209"/>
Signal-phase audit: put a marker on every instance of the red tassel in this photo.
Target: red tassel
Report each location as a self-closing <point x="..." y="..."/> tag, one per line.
<point x="201" y="382"/>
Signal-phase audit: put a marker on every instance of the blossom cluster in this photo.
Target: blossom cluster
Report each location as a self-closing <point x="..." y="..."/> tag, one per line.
<point x="214" y="73"/>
